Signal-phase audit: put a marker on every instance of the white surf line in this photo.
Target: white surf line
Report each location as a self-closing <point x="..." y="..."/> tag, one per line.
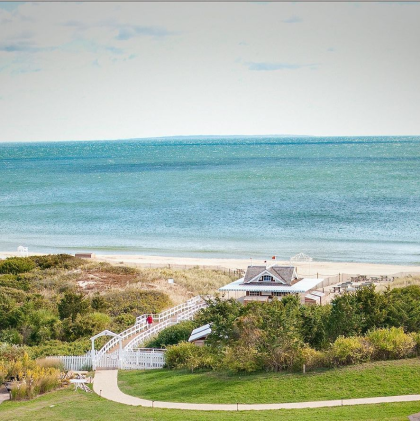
<point x="105" y="384"/>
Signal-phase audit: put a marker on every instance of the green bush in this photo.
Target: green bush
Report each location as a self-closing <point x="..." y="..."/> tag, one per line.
<point x="172" y="335"/>
<point x="241" y="359"/>
<point x="136" y="302"/>
<point x="63" y="261"/>
<point x="123" y="322"/>
<point x="189" y="356"/>
<point x="10" y="352"/>
<point x="11" y="336"/>
<point x="117" y="270"/>
<point x="55" y="347"/>
<point x="391" y="343"/>
<point x="311" y="358"/>
<point x="353" y="350"/>
<point x="15" y="265"/>
<point x="416" y="338"/>
<point x="15" y="282"/>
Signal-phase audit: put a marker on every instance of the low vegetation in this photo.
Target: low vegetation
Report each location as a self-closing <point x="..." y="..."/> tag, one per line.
<point x="51" y="305"/>
<point x="285" y="335"/>
<point x="27" y="378"/>
<point x="67" y="405"/>
<point x="387" y="378"/>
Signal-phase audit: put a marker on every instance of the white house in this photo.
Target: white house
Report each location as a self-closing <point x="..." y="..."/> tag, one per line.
<point x="262" y="283"/>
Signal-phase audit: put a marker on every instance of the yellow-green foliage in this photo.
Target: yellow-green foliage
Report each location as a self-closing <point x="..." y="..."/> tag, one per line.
<point x="15" y="265"/>
<point x="30" y="378"/>
<point x="189" y="356"/>
<point x="416" y="338"/>
<point x="391" y="343"/>
<point x="311" y="358"/>
<point x="241" y="358"/>
<point x="135" y="301"/>
<point x="353" y="350"/>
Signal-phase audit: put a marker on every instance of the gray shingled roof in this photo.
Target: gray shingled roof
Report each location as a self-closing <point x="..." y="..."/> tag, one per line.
<point x="252" y="272"/>
<point x="284" y="273"/>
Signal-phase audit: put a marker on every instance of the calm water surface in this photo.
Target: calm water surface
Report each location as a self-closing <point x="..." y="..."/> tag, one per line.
<point x="348" y="199"/>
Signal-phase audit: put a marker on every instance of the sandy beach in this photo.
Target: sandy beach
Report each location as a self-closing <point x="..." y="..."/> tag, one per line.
<point x="313" y="268"/>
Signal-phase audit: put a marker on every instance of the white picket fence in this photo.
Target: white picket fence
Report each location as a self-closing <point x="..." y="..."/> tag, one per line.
<point x="75" y="362"/>
<point x="141" y="359"/>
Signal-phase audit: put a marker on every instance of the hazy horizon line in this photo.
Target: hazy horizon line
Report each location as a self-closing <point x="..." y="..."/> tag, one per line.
<point x="201" y="136"/>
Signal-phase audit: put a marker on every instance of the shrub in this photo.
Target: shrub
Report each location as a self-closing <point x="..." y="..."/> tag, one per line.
<point x="172" y="335"/>
<point x="311" y="358"/>
<point x="15" y="265"/>
<point x="123" y="322"/>
<point x="136" y="302"/>
<point x="241" y="359"/>
<point x="10" y="352"/>
<point x="416" y="339"/>
<point x="29" y="378"/>
<point x="391" y="343"/>
<point x="55" y="347"/>
<point x="351" y="350"/>
<point x="63" y="261"/>
<point x="117" y="270"/>
<point x="189" y="356"/>
<point x="11" y="336"/>
<point x="15" y="281"/>
<point x="71" y="305"/>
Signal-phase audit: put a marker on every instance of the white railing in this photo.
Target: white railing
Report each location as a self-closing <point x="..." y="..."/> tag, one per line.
<point x="133" y="360"/>
<point x="172" y="311"/>
<point x="187" y="314"/>
<point x="143" y="360"/>
<point x="141" y="325"/>
<point x="74" y="362"/>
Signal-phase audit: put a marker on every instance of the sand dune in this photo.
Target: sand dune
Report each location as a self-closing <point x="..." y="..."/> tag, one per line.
<point x="306" y="269"/>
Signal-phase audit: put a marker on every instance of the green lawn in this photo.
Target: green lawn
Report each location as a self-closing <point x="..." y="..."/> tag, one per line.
<point x="385" y="378"/>
<point x="67" y="405"/>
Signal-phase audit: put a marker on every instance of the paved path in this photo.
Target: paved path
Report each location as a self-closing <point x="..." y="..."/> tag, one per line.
<point x="106" y="385"/>
<point x="4" y="394"/>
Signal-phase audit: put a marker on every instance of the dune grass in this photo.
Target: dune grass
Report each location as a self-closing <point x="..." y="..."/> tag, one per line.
<point x="388" y="378"/>
<point x="68" y="405"/>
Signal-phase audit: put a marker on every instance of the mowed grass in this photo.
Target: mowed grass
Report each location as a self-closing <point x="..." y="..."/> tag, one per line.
<point x="389" y="378"/>
<point x="68" y="405"/>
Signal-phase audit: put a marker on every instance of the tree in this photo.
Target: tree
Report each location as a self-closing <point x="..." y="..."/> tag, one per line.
<point x="222" y="315"/>
<point x="71" y="305"/>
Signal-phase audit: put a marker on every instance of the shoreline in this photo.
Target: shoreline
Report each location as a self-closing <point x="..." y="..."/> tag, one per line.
<point x="314" y="268"/>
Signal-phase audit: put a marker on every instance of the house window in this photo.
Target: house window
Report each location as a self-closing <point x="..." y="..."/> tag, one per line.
<point x="279" y="294"/>
<point x="254" y="293"/>
<point x="267" y="278"/>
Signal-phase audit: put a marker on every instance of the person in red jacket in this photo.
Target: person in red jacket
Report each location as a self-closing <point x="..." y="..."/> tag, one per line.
<point x="149" y="320"/>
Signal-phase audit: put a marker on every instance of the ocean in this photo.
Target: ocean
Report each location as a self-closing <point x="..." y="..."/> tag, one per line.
<point x="335" y="198"/>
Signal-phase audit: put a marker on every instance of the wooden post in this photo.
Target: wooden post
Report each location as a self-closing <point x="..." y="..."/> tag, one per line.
<point x="304" y="369"/>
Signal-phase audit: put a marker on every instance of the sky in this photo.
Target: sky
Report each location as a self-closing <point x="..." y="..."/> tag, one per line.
<point x="91" y="71"/>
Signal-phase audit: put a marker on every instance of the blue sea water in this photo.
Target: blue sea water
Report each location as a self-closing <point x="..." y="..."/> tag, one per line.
<point x="338" y="199"/>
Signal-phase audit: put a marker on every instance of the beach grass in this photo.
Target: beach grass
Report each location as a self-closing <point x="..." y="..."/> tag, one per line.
<point x="68" y="405"/>
<point x="384" y="378"/>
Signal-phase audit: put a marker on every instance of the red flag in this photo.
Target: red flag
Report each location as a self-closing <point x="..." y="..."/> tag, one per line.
<point x="274" y="257"/>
